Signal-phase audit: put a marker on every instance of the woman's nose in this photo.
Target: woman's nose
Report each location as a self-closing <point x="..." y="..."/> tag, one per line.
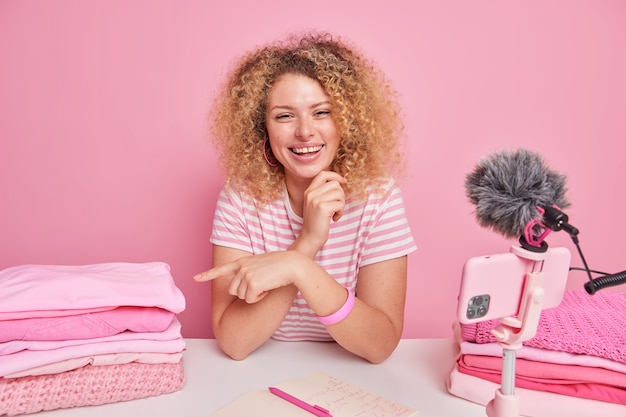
<point x="304" y="129"/>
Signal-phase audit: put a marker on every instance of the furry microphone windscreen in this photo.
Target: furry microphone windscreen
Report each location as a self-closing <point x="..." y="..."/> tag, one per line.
<point x="507" y="187"/>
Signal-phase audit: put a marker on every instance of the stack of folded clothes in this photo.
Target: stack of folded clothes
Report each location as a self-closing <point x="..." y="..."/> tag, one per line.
<point x="88" y="335"/>
<point x="575" y="365"/>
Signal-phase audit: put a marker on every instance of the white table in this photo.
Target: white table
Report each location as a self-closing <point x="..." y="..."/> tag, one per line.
<point x="414" y="375"/>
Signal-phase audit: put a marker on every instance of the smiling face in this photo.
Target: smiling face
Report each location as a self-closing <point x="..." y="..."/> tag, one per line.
<point x="301" y="130"/>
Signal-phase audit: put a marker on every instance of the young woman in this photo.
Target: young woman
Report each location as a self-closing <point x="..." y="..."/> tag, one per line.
<point x="310" y="237"/>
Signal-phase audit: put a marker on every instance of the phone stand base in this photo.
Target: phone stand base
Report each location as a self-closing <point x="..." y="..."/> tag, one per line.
<point x="504" y="405"/>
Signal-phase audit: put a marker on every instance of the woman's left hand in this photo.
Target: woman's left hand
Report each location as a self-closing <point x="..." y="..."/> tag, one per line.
<point x="254" y="276"/>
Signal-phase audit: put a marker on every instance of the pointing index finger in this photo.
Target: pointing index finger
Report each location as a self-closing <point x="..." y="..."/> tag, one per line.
<point x="213" y="273"/>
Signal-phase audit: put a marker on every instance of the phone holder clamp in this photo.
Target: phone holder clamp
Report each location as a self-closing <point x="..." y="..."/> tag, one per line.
<point x="511" y="332"/>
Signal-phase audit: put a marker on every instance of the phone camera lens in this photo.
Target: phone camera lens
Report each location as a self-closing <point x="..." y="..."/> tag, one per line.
<point x="471" y="313"/>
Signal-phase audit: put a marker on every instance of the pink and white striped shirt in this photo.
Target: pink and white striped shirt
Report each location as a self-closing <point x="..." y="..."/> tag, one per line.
<point x="369" y="231"/>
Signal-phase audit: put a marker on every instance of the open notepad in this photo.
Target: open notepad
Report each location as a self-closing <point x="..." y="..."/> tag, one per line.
<point x="339" y="397"/>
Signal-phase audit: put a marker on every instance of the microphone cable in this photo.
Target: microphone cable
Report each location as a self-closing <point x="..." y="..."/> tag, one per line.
<point x="556" y="220"/>
<point x="609" y="280"/>
<point x="596" y="284"/>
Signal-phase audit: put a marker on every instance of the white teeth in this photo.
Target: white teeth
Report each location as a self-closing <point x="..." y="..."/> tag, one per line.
<point x="309" y="149"/>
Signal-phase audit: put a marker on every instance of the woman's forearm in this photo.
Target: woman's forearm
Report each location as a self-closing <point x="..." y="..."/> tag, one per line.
<point x="374" y="327"/>
<point x="370" y="330"/>
<point x="367" y="333"/>
<point x="243" y="327"/>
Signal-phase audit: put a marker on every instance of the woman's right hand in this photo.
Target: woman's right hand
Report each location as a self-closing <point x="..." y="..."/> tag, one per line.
<point x="324" y="201"/>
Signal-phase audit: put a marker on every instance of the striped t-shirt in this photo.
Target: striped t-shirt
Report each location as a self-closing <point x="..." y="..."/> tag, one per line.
<point x="369" y="231"/>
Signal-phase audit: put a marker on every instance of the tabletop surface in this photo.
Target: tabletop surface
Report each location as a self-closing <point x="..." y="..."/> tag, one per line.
<point x="414" y="375"/>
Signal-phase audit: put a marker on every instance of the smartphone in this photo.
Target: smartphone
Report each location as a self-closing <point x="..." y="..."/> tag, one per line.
<point x="491" y="286"/>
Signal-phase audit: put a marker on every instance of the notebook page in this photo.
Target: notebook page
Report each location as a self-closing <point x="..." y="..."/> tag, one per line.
<point x="343" y="399"/>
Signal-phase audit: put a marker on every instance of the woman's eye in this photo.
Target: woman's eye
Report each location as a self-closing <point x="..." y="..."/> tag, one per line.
<point x="322" y="113"/>
<point x="283" y="117"/>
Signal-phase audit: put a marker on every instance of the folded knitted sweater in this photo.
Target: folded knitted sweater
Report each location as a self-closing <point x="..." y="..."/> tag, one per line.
<point x="582" y="323"/>
<point x="89" y="385"/>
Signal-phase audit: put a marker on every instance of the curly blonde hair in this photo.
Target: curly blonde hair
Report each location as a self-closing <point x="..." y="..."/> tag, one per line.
<point x="365" y="110"/>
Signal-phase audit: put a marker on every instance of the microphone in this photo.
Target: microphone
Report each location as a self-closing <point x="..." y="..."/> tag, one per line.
<point x="517" y="195"/>
<point x="556" y="220"/>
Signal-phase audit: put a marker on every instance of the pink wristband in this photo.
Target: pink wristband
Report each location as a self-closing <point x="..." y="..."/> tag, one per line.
<point x="340" y="314"/>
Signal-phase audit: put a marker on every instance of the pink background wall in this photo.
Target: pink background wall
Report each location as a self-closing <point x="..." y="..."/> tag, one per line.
<point x="104" y="155"/>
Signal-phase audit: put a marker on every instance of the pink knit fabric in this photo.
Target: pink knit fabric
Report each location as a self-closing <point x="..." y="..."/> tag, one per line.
<point x="90" y="385"/>
<point x="583" y="324"/>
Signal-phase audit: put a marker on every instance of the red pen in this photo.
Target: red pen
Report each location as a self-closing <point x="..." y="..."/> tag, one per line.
<point x="313" y="409"/>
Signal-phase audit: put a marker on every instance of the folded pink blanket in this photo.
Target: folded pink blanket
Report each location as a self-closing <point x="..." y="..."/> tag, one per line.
<point x="590" y="390"/>
<point x="582" y="324"/>
<point x="550" y="373"/>
<point x="30" y="291"/>
<point x="98" y="360"/>
<point x="90" y="385"/>
<point x="87" y="325"/>
<point x="543" y="355"/>
<point x="18" y="356"/>
<point x="532" y="403"/>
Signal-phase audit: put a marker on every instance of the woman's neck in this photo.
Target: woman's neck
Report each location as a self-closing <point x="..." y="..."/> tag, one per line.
<point x="295" y="192"/>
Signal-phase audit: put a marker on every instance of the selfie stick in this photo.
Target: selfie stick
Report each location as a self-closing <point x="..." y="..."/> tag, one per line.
<point x="511" y="332"/>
